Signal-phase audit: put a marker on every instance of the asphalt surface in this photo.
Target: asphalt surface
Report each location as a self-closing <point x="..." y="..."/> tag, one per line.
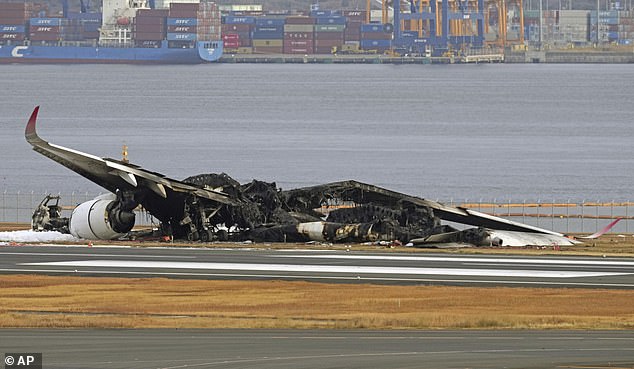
<point x="322" y="266"/>
<point x="322" y="349"/>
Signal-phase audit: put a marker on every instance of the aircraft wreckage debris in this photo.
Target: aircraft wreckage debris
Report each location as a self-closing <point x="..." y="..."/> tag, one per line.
<point x="210" y="207"/>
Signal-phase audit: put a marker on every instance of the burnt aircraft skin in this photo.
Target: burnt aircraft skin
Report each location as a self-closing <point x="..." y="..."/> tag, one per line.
<point x="216" y="207"/>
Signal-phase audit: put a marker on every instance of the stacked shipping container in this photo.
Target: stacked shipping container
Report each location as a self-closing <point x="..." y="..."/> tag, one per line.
<point x="13" y="21"/>
<point x="268" y="35"/>
<point x="149" y="28"/>
<point x="376" y="36"/>
<point x="299" y="35"/>
<point x="237" y="30"/>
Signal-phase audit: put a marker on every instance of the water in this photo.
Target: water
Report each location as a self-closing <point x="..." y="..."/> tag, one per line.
<point x="462" y="132"/>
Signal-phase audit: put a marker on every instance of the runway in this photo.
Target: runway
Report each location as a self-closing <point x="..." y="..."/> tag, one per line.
<point x="323" y="266"/>
<point x="323" y="349"/>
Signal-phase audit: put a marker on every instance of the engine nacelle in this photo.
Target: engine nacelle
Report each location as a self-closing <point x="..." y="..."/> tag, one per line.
<point x="101" y="219"/>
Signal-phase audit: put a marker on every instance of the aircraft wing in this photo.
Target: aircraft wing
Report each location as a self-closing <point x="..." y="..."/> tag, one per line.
<point x="360" y="193"/>
<point x="113" y="174"/>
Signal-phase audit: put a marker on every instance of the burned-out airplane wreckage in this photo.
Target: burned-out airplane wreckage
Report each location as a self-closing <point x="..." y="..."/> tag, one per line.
<point x="212" y="207"/>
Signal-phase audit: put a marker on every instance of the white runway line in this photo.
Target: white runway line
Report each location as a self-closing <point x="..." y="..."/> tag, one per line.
<point x="464" y="259"/>
<point x="358" y="270"/>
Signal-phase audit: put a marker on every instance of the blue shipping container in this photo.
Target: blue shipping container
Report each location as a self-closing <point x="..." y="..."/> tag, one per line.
<point x="373" y="27"/>
<point x="371" y="44"/>
<point x="269" y="22"/>
<point x="46" y="22"/>
<point x="325" y="13"/>
<point x="239" y="20"/>
<point x="332" y="20"/>
<point x="279" y="28"/>
<point x="11" y="29"/>
<point x="181" y="36"/>
<point x="182" y="21"/>
<point x="86" y="17"/>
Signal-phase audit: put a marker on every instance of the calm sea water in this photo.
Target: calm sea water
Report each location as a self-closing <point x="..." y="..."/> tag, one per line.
<point x="516" y="132"/>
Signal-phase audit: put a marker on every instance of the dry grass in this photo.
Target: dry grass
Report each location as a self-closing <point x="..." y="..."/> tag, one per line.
<point x="85" y="302"/>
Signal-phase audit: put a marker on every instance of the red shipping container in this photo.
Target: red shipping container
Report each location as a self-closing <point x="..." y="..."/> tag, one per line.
<point x="11" y="36"/>
<point x="231" y="37"/>
<point x="376" y="36"/>
<point x="298" y="44"/>
<point x="12" y="14"/>
<point x="329" y="36"/>
<point x="44" y="29"/>
<point x="44" y="36"/>
<point x="298" y="35"/>
<point x="183" y="14"/>
<point x="149" y="20"/>
<point x="299" y="51"/>
<point x="152" y="13"/>
<point x="232" y="44"/>
<point x="13" y="6"/>
<point x="149" y="36"/>
<point x="183" y="29"/>
<point x="184" y="6"/>
<point x="300" y="20"/>
<point x="149" y="28"/>
<point x="12" y="21"/>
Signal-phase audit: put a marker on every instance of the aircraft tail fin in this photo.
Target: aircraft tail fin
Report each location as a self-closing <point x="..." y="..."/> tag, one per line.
<point x="603" y="231"/>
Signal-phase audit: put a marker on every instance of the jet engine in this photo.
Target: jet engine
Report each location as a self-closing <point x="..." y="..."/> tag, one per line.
<point x="104" y="218"/>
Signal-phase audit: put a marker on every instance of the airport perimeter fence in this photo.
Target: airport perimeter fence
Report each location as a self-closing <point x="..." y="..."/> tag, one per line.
<point x="561" y="216"/>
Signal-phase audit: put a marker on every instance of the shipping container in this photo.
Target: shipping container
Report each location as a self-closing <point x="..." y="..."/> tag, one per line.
<point x="279" y="28"/>
<point x="330" y="28"/>
<point x="264" y="35"/>
<point x="185" y="6"/>
<point x="323" y="50"/>
<point x="148" y="43"/>
<point x="44" y="29"/>
<point x="18" y="36"/>
<point x="375" y="44"/>
<point x="298" y="43"/>
<point x="273" y="43"/>
<point x="299" y="21"/>
<point x="230" y="37"/>
<point x="149" y="20"/>
<point x="148" y="36"/>
<point x="181" y="36"/>
<point x="149" y="28"/>
<point x="269" y="21"/>
<point x="13" y="21"/>
<point x="44" y="36"/>
<point x="355" y="15"/>
<point x="328" y="43"/>
<point x="325" y="13"/>
<point x="7" y="28"/>
<point x="182" y="21"/>
<point x="51" y="22"/>
<point x="183" y="14"/>
<point x="156" y="13"/>
<point x="237" y="28"/>
<point x="182" y="29"/>
<point x="332" y="20"/>
<point x="329" y="36"/>
<point x="376" y="36"/>
<point x="231" y="44"/>
<point x="298" y="35"/>
<point x="299" y="28"/>
<point x="15" y="6"/>
<point x="268" y="50"/>
<point x="299" y="50"/>
<point x="239" y="20"/>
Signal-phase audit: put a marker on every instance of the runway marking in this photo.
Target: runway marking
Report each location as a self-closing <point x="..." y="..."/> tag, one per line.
<point x="345" y="269"/>
<point x="98" y="255"/>
<point x="463" y="259"/>
<point x="558" y="266"/>
<point x="326" y="278"/>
